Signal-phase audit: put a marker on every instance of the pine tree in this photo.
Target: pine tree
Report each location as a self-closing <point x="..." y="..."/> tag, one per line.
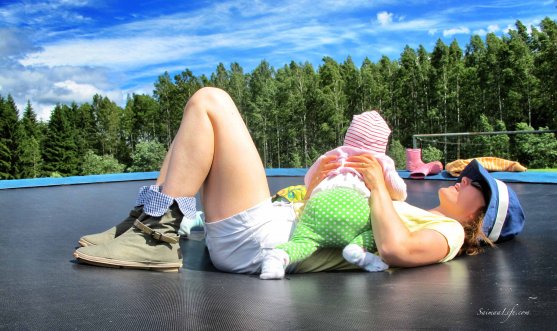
<point x="333" y="119"/>
<point x="5" y="154"/>
<point x="30" y="147"/>
<point x="10" y="136"/>
<point x="388" y="72"/>
<point x="166" y="97"/>
<point x="474" y="81"/>
<point x="60" y="149"/>
<point x="440" y="77"/>
<point x="352" y="88"/>
<point x="261" y="108"/>
<point x="221" y="78"/>
<point x="456" y="73"/>
<point x="429" y="117"/>
<point x="238" y="88"/>
<point x="546" y="72"/>
<point x="408" y="80"/>
<point x="107" y="115"/>
<point x="371" y="97"/>
<point x="495" y="86"/>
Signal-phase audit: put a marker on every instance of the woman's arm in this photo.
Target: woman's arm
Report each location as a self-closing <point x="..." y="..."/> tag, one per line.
<point x="319" y="171"/>
<point x="396" y="244"/>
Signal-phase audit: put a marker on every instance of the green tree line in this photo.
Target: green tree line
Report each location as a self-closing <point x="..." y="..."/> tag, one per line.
<point x="297" y="112"/>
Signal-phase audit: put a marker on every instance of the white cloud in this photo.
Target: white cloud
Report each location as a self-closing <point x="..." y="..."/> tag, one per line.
<point x="45" y="87"/>
<point x="78" y="66"/>
<point x="428" y="25"/>
<point x="45" y="13"/>
<point x="117" y="53"/>
<point x="453" y="31"/>
<point x="509" y="27"/>
<point x="384" y="18"/>
<point x="480" y="32"/>
<point x="72" y="91"/>
<point x="67" y="92"/>
<point x="493" y="28"/>
<point x="389" y="49"/>
<point x="68" y="57"/>
<point x="14" y="44"/>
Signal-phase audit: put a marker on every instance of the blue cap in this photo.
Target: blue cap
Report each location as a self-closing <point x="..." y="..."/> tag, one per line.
<point x="504" y="217"/>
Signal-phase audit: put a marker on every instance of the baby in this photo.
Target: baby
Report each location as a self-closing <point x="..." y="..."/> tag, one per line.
<point x="337" y="215"/>
<point x="368" y="133"/>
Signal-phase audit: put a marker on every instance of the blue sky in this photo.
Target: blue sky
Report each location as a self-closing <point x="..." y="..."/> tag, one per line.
<point x="61" y="51"/>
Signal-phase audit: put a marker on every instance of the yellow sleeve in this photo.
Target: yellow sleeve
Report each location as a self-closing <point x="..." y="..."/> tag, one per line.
<point x="417" y="219"/>
<point x="453" y="233"/>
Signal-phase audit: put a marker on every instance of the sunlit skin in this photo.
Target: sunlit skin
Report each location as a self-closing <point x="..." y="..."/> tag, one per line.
<point x="395" y="243"/>
<point x="461" y="201"/>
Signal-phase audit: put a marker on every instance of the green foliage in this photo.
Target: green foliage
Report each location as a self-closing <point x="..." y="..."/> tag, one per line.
<point x="298" y="111"/>
<point x="60" y="151"/>
<point x="107" y="119"/>
<point x="485" y="145"/>
<point x="30" y="145"/>
<point x="106" y="164"/>
<point x="430" y="153"/>
<point x="148" y="156"/>
<point x="398" y="153"/>
<point x="500" y="144"/>
<point x="10" y="135"/>
<point x="536" y="150"/>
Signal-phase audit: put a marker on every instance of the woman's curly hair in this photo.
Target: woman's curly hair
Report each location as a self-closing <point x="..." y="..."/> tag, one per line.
<point x="474" y="237"/>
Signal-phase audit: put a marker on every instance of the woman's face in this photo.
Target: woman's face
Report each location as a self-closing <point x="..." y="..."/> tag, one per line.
<point x="463" y="200"/>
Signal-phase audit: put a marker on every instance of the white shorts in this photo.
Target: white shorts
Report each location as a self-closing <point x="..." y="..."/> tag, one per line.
<point x="236" y="244"/>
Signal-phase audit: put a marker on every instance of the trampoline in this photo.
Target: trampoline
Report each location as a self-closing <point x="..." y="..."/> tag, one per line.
<point x="513" y="286"/>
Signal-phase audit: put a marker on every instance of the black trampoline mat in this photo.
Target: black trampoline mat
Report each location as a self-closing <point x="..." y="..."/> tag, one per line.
<point x="511" y="287"/>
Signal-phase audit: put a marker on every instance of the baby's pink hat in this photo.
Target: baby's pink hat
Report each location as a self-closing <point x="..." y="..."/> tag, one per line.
<point x="368" y="131"/>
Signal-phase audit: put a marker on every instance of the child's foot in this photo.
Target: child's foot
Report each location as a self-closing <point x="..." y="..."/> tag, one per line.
<point x="273" y="265"/>
<point x="365" y="260"/>
<point x="188" y="224"/>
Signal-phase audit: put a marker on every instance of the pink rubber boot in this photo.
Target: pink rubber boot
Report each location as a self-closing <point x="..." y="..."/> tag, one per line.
<point x="413" y="159"/>
<point x="418" y="169"/>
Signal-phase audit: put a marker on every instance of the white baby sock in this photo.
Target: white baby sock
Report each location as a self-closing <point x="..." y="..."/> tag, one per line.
<point x="188" y="223"/>
<point x="274" y="263"/>
<point x="365" y="260"/>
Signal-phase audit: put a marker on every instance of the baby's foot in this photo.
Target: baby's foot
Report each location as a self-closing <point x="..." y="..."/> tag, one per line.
<point x="365" y="260"/>
<point x="373" y="263"/>
<point x="187" y="224"/>
<point x="273" y="265"/>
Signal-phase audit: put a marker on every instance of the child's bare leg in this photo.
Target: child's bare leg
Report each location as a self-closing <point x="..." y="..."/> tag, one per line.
<point x="213" y="148"/>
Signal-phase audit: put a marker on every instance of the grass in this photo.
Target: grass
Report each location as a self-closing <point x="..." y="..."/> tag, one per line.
<point x="543" y="170"/>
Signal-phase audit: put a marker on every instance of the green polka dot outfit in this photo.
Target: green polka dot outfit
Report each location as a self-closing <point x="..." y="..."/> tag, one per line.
<point x="331" y="218"/>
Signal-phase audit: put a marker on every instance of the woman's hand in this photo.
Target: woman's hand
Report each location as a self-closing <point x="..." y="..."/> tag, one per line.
<point x="326" y="165"/>
<point x="370" y="169"/>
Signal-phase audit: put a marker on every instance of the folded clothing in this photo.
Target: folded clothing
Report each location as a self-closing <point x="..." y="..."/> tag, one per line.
<point x="488" y="162"/>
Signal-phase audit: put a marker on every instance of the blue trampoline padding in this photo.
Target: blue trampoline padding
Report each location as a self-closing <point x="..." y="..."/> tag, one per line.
<point x="122" y="177"/>
<point x="72" y="180"/>
<point x="539" y="177"/>
<point x="522" y="177"/>
<point x="286" y="172"/>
